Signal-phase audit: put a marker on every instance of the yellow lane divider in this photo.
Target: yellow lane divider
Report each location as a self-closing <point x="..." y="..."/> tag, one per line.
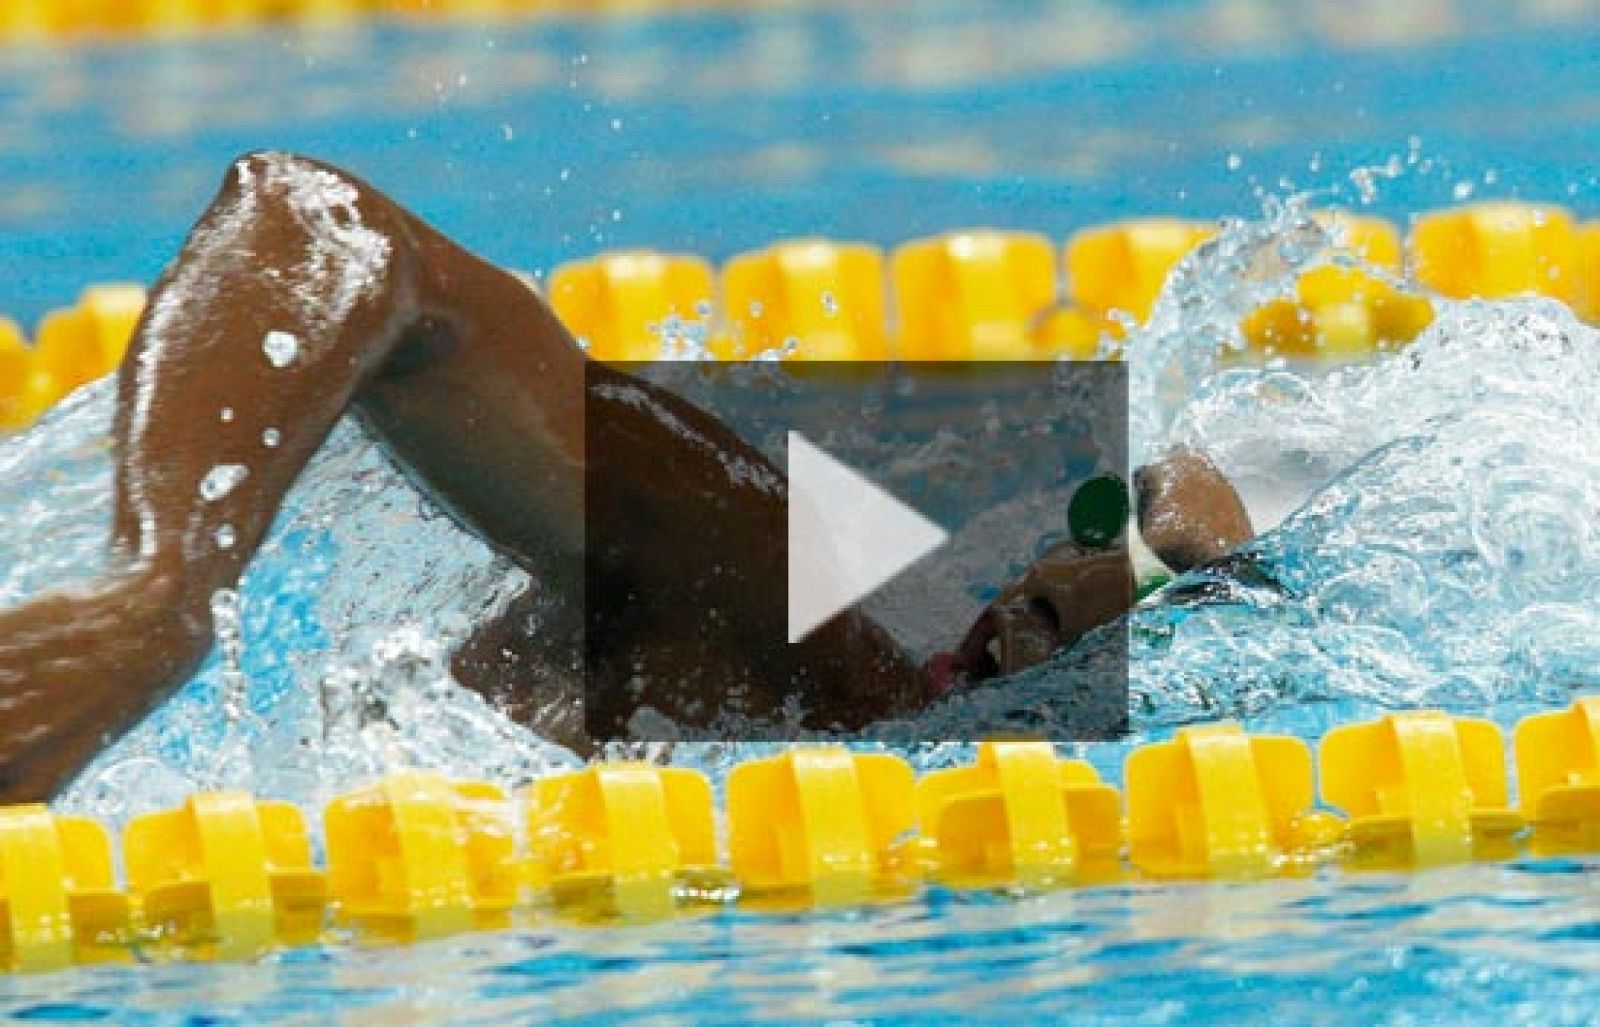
<point x="1424" y="788"/>
<point x="1499" y="249"/>
<point x="49" y="20"/>
<point x="825" y="299"/>
<point x="621" y="833"/>
<point x="972" y="295"/>
<point x="1342" y="312"/>
<point x="226" y="872"/>
<point x="822" y="821"/>
<point x="418" y="856"/>
<point x="57" y="889"/>
<point x="74" y="345"/>
<point x="968" y="295"/>
<point x="1020" y="815"/>
<point x="625" y="305"/>
<point x="1558" y="773"/>
<point x="1215" y="802"/>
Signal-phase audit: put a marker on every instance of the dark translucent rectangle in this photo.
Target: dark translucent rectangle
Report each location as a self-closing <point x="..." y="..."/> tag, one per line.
<point x="687" y="561"/>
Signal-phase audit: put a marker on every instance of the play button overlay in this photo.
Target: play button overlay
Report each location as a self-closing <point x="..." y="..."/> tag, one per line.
<point x="777" y="551"/>
<point x="847" y="537"/>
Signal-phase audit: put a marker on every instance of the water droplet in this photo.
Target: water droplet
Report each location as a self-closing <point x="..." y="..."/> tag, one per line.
<point x="271" y="437"/>
<point x="507" y="132"/>
<point x="226" y="414"/>
<point x="280" y="347"/>
<point x="1235" y="162"/>
<point x="616" y="215"/>
<point x="1462" y="191"/>
<point x="225" y="605"/>
<point x="1366" y="185"/>
<point x="221" y="480"/>
<point x="830" y="306"/>
<point x="225" y="537"/>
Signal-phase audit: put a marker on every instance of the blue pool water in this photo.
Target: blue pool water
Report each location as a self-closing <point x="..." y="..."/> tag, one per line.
<point x="715" y="132"/>
<point x="1518" y="941"/>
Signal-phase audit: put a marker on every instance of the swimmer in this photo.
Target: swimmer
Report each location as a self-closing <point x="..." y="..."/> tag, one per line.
<point x="1189" y="516"/>
<point x="302" y="294"/>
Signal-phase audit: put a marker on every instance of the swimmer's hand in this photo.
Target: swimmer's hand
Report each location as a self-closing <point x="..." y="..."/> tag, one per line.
<point x="77" y="668"/>
<point x="1189" y="514"/>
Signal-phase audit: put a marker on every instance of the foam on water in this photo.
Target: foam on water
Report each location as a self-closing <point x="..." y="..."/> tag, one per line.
<point x="1438" y="549"/>
<point x="1446" y="549"/>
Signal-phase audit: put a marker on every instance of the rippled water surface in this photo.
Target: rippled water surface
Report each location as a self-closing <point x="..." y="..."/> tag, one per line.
<point x="1432" y="537"/>
<point x="1518" y="941"/>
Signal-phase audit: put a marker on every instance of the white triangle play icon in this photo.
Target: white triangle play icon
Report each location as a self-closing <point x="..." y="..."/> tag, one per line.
<point x="847" y="537"/>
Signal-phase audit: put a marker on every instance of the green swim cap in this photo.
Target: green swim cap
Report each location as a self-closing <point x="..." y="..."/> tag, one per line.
<point x="1098" y="511"/>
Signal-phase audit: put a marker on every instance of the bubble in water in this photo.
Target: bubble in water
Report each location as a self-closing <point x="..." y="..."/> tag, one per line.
<point x="1462" y="191"/>
<point x="226" y="414"/>
<point x="271" y="437"/>
<point x="225" y="537"/>
<point x="1235" y="162"/>
<point x="221" y="480"/>
<point x="225" y="616"/>
<point x="225" y="624"/>
<point x="280" y="347"/>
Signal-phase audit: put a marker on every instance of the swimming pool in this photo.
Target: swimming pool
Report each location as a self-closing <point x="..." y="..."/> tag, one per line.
<point x="1452" y="946"/>
<point x="545" y="141"/>
<point x="536" y="144"/>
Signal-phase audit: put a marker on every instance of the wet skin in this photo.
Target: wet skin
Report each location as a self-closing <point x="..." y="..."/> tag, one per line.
<point x="463" y="374"/>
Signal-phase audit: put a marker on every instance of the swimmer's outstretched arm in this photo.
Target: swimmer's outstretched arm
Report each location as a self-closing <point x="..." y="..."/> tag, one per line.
<point x="298" y="289"/>
<point x="303" y="292"/>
